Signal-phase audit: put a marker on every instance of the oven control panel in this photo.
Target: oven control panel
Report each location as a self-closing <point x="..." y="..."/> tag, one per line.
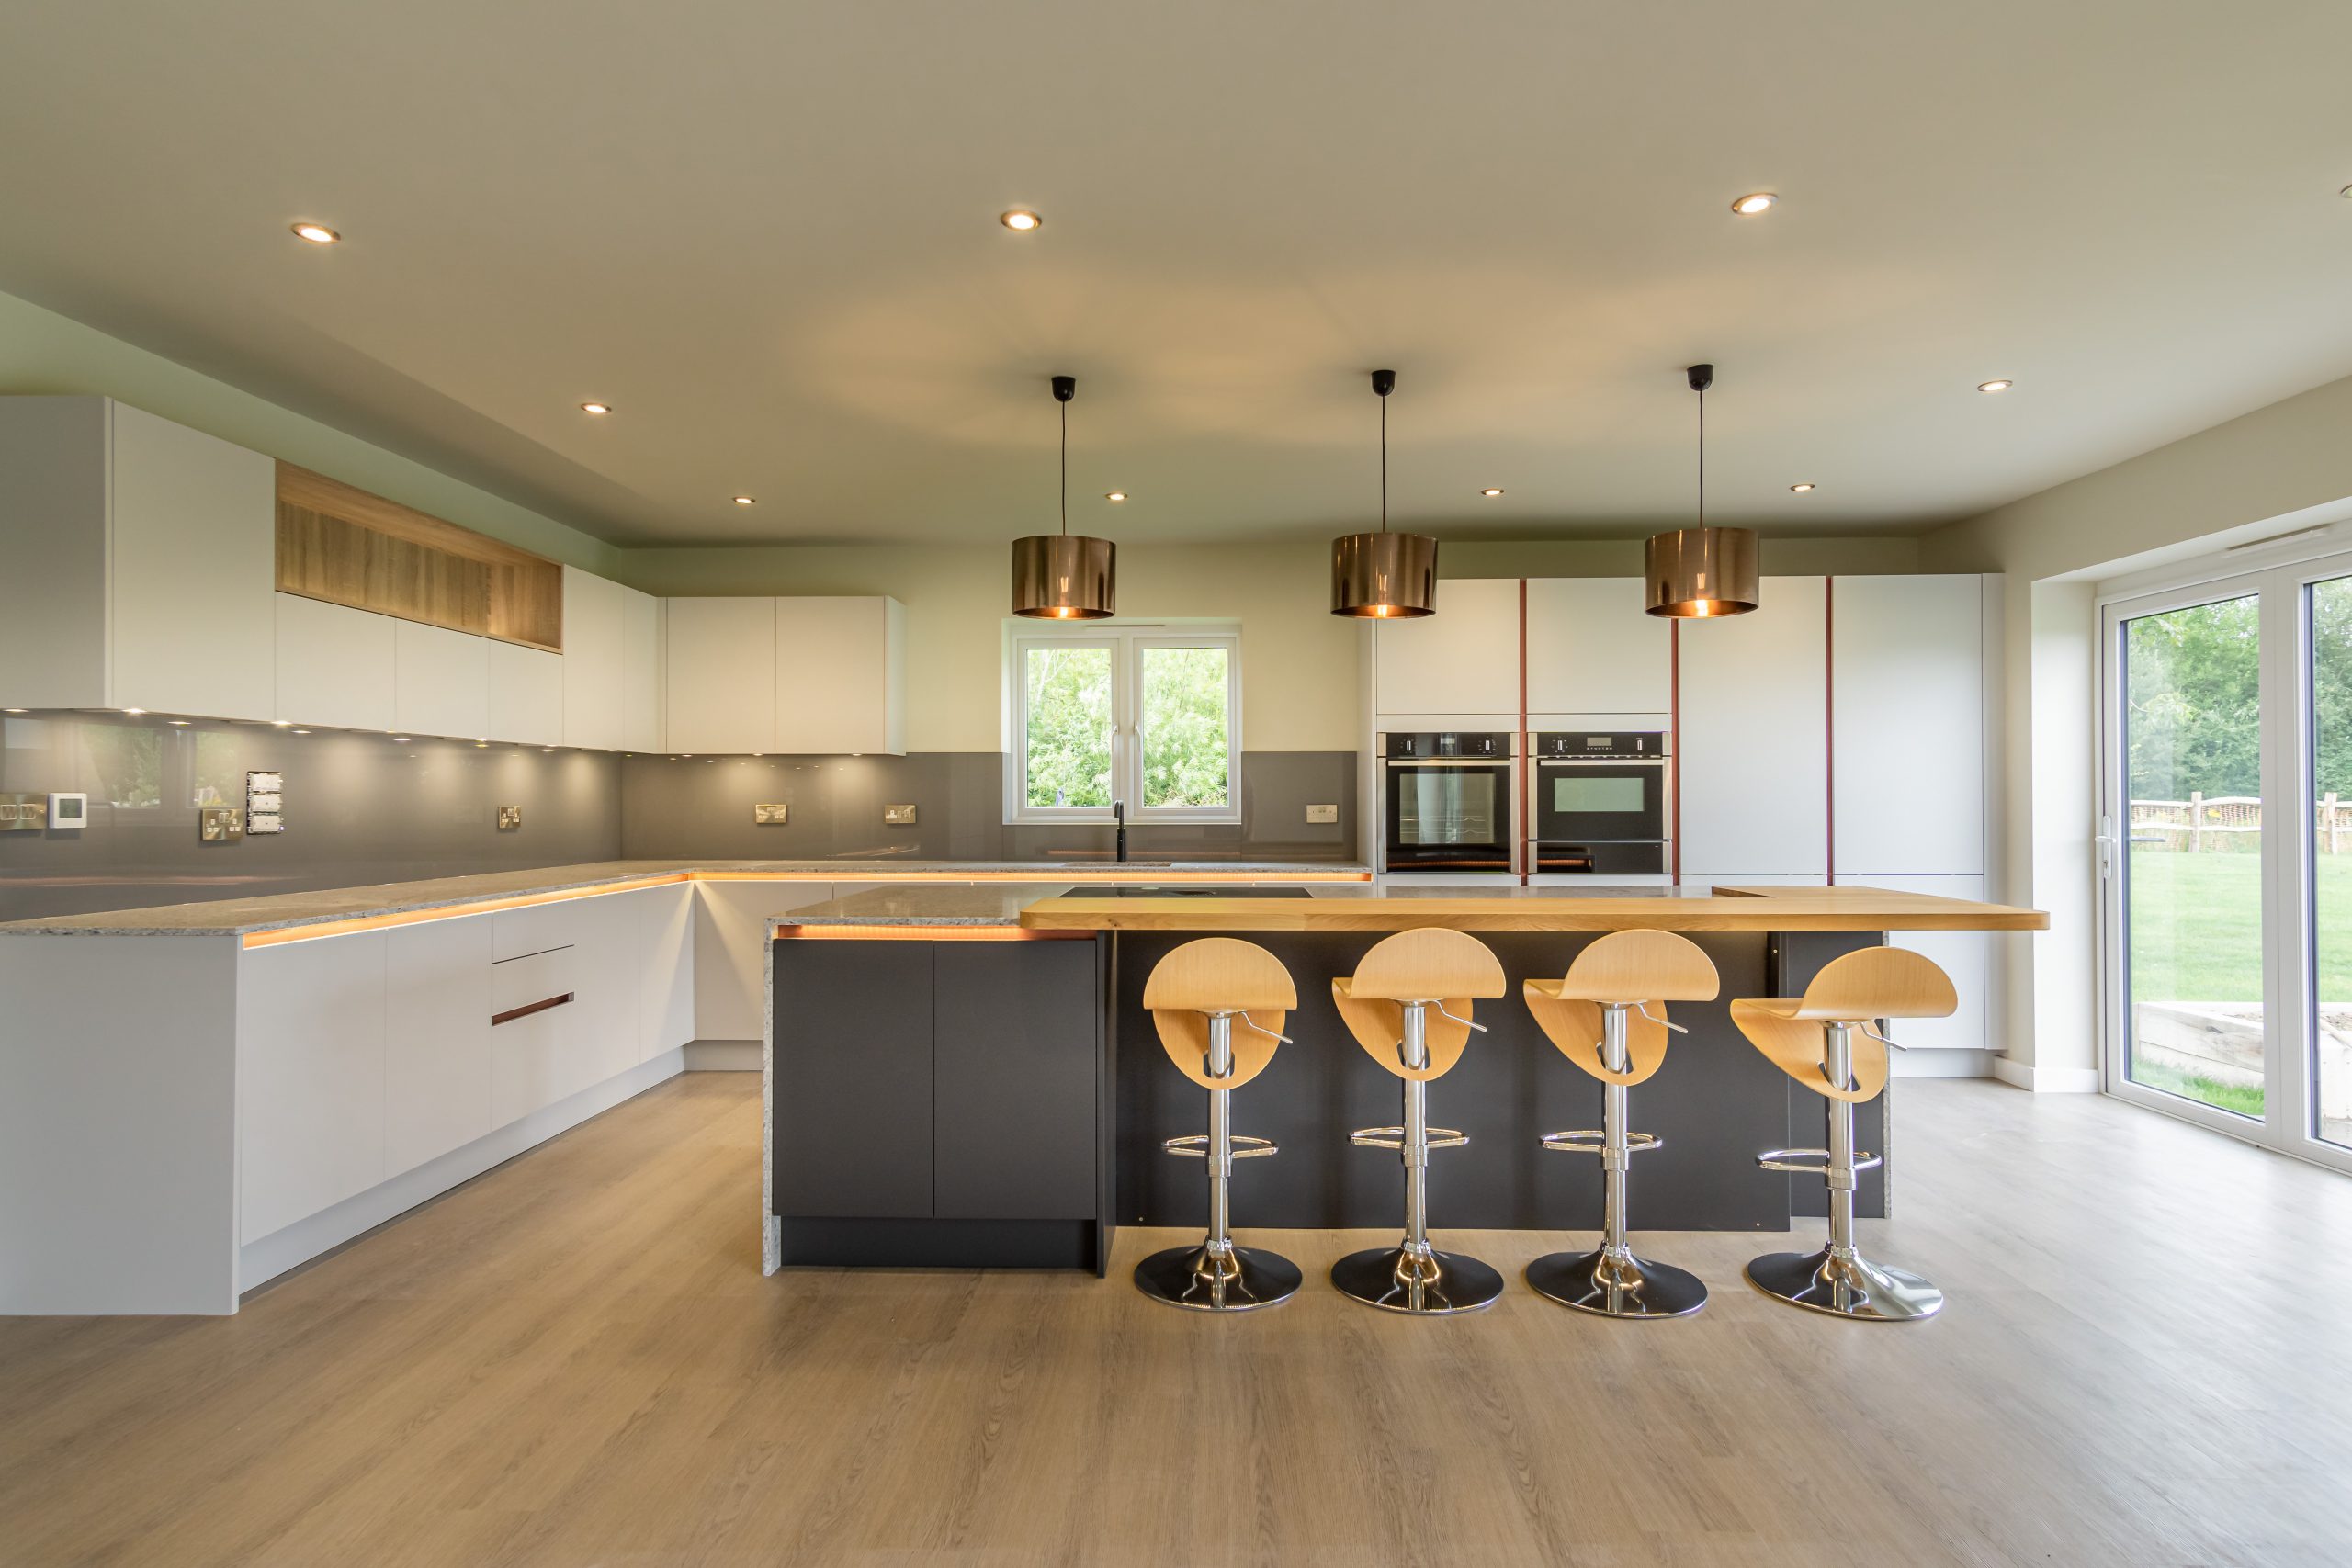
<point x="1477" y="746"/>
<point x="1633" y="745"/>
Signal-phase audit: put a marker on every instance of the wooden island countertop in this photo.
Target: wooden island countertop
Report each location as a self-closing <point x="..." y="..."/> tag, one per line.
<point x="1723" y="908"/>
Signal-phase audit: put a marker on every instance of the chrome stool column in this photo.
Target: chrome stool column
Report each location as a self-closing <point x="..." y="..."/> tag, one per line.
<point x="1824" y="1041"/>
<point x="1389" y="1005"/>
<point x="1606" y="989"/>
<point x="1196" y="994"/>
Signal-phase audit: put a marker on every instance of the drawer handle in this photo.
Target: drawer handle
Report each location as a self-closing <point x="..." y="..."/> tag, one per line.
<point x="527" y="1008"/>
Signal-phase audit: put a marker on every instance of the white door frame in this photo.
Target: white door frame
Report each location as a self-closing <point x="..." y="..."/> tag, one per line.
<point x="2284" y="684"/>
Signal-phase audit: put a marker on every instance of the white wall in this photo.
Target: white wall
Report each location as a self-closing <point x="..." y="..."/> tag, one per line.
<point x="2241" y="479"/>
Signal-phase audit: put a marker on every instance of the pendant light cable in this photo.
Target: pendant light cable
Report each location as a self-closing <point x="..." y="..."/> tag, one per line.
<point x="1702" y="457"/>
<point x="1384" y="465"/>
<point x="1066" y="463"/>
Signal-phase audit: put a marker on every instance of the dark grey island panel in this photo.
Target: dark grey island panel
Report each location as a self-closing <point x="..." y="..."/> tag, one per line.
<point x="938" y="1101"/>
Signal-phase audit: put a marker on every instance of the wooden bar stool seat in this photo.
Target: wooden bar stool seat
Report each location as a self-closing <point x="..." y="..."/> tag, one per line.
<point x="1824" y="1041"/>
<point x="1408" y="1006"/>
<point x="1598" y="1016"/>
<point x="1195" y="995"/>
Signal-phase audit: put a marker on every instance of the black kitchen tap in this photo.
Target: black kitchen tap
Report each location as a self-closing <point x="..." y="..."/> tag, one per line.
<point x="1119" y="815"/>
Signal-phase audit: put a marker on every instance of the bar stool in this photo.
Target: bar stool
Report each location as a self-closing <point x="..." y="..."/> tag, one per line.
<point x="1389" y="1005"/>
<point x="1600" y="1019"/>
<point x="1195" y="993"/>
<point x="1824" y="1040"/>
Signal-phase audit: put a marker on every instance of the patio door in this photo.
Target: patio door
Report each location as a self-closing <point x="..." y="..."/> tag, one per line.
<point x="2226" y="854"/>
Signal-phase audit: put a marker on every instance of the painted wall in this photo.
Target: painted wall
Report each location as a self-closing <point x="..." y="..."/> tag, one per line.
<point x="42" y="352"/>
<point x="2269" y="471"/>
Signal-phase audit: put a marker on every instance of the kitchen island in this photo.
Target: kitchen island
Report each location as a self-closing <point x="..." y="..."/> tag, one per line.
<point x="968" y="1076"/>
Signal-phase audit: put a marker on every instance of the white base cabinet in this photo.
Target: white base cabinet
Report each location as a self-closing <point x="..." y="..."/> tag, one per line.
<point x="436" y="1033"/>
<point x="311" y="1020"/>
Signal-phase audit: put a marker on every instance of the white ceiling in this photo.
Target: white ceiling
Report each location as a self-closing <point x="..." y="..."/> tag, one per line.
<point x="766" y="233"/>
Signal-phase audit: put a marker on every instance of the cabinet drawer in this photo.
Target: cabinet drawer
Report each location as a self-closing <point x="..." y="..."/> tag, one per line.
<point x="535" y="927"/>
<point x="527" y="982"/>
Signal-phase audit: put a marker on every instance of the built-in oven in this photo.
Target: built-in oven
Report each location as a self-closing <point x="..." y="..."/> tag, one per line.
<point x="1599" y="802"/>
<point x="1446" y="801"/>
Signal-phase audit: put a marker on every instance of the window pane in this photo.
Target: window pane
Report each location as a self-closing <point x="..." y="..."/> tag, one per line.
<point x="1185" y="726"/>
<point x="1068" y="746"/>
<point x="2193" y="853"/>
<point x="2331" y="609"/>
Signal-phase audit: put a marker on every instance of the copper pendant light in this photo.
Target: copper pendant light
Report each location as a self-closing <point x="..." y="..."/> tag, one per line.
<point x="1065" y="576"/>
<point x="1701" y="571"/>
<point x="1384" y="576"/>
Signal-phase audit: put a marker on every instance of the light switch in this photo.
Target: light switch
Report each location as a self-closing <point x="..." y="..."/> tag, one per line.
<point x="770" y="814"/>
<point x="1322" y="814"/>
<point x="69" y="810"/>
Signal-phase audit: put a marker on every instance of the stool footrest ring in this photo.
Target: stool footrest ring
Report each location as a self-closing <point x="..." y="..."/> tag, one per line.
<point x="1196" y="1146"/>
<point x="1810" y="1162"/>
<point x="1393" y="1138"/>
<point x="1588" y="1142"/>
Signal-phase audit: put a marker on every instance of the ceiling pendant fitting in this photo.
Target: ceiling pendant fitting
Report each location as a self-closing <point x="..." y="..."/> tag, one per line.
<point x="1695" y="573"/>
<point x="1064" y="576"/>
<point x="1384" y="576"/>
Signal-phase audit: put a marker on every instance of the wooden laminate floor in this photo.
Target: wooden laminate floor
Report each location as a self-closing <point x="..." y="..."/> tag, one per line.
<point x="2147" y="1360"/>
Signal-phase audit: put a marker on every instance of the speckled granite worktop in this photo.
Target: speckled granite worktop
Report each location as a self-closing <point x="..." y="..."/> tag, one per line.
<point x="927" y="904"/>
<point x="239" y="916"/>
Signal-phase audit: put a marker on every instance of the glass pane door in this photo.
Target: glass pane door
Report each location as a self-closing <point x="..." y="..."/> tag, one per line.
<point x="2191" y="855"/>
<point x="2330" y="611"/>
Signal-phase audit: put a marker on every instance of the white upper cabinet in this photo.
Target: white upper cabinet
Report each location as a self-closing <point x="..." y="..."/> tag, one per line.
<point x="440" y="681"/>
<point x="1592" y="648"/>
<point x="1461" y="661"/>
<point x="720" y="679"/>
<point x="1908" y="696"/>
<point x="334" y="664"/>
<point x="141" y="563"/>
<point x="642" y="661"/>
<point x="525" y="694"/>
<point x="1752" y="760"/>
<point x="841" y="680"/>
<point x="595" y="656"/>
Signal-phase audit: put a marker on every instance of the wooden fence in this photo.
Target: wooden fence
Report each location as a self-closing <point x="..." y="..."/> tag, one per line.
<point x="2220" y="822"/>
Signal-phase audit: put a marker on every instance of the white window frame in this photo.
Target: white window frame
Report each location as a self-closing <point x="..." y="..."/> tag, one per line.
<point x="2282" y="576"/>
<point x="1127" y="644"/>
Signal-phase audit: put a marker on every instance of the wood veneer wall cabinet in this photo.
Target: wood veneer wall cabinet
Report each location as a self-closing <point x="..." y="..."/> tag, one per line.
<point x="347" y="547"/>
<point x="137" y="563"/>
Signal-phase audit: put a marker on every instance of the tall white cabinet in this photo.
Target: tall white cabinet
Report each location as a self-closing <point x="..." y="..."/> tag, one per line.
<point x="1592" y="648"/>
<point x="1461" y="664"/>
<point x="1752" y="760"/>
<point x="141" y="570"/>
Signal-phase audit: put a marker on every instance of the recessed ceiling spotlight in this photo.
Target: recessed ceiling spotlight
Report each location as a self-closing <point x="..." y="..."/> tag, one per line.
<point x="595" y="408"/>
<point x="547" y="748"/>
<point x="401" y="739"/>
<point x="281" y="724"/>
<point x="1491" y="490"/>
<point x="1115" y="495"/>
<point x="1753" y="202"/>
<point x="1998" y="385"/>
<point x="745" y="500"/>
<point x="317" y="233"/>
<point x="135" y="713"/>
<point x="1021" y="220"/>
<point x="1802" y="487"/>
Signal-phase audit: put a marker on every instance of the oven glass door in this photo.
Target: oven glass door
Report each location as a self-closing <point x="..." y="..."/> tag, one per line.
<point x="1448" y="816"/>
<point x="1601" y="802"/>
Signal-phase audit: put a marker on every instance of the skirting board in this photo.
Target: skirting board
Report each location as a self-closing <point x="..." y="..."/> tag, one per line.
<point x="2046" y="1080"/>
<point x="723" y="1055"/>
<point x="259" y="1262"/>
<point x="1958" y="1062"/>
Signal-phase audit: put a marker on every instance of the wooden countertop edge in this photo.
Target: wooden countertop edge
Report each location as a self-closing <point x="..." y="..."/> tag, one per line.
<point x="1840" y="911"/>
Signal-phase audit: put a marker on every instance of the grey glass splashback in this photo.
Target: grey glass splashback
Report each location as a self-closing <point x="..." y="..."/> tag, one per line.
<point x="358" y="809"/>
<point x="366" y="808"/>
<point x="703" y="806"/>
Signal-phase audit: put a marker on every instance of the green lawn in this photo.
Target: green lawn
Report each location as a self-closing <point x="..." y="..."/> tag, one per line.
<point x="2197" y="927"/>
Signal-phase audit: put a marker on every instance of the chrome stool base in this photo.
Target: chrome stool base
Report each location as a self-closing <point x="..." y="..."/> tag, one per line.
<point x="1626" y="1286"/>
<point x="1184" y="1277"/>
<point x="1425" y="1284"/>
<point x="1852" y="1286"/>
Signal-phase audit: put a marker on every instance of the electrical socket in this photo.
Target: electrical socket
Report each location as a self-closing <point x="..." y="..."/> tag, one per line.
<point x="1319" y="814"/>
<point x="767" y="814"/>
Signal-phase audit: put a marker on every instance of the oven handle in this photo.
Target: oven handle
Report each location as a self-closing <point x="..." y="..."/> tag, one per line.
<point x="1498" y="764"/>
<point x="1600" y="762"/>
